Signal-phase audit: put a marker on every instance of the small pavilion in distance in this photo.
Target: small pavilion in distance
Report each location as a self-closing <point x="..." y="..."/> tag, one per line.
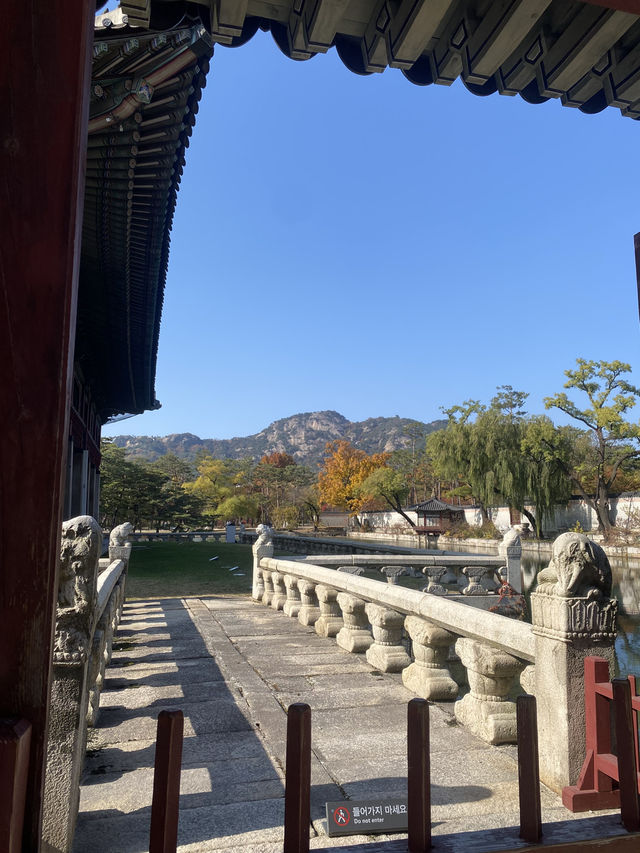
<point x="97" y="118"/>
<point x="436" y="517"/>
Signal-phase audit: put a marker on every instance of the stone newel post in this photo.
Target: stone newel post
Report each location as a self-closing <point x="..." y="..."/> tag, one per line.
<point x="119" y="548"/>
<point x="77" y="597"/>
<point x="511" y="549"/>
<point x="573" y="617"/>
<point x="262" y="547"/>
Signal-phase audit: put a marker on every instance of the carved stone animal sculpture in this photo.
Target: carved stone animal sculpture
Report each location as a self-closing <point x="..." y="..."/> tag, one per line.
<point x="79" y="552"/>
<point x="578" y="568"/>
<point x="120" y="534"/>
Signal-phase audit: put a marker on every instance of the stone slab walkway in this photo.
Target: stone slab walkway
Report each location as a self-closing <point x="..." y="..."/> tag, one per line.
<point x="233" y="666"/>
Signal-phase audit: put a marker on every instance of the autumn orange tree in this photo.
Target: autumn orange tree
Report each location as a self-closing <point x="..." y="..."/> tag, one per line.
<point x="345" y="469"/>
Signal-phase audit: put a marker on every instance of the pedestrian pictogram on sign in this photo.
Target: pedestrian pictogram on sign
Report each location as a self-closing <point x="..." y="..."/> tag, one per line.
<point x="362" y="817"/>
<point x="341" y="816"/>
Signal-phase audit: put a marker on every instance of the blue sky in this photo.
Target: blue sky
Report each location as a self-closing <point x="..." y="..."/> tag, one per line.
<point x="366" y="245"/>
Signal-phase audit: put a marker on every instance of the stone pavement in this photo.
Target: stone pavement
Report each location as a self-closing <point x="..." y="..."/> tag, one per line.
<point x="233" y="666"/>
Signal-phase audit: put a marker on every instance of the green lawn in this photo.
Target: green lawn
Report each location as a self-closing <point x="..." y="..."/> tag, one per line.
<point x="173" y="569"/>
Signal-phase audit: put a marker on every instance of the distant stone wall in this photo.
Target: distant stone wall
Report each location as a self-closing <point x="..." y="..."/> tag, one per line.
<point x="625" y="513"/>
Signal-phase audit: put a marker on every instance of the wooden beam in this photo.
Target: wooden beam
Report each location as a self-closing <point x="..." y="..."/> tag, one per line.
<point x="44" y="86"/>
<point x="632" y="6"/>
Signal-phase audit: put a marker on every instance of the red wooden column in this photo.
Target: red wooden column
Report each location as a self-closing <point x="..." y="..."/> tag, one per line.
<point x="44" y="93"/>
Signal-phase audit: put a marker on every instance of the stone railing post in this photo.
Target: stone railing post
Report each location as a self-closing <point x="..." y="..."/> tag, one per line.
<point x="354" y="636"/>
<point x="293" y="603"/>
<point x="119" y="547"/>
<point x="392" y="573"/>
<point x="387" y="652"/>
<point x="95" y="677"/>
<point x="486" y="710"/>
<point x="309" y="608"/>
<point x="109" y="613"/>
<point x="511" y="549"/>
<point x="267" y="595"/>
<point x="77" y="596"/>
<point x="434" y="575"/>
<point x="573" y="616"/>
<point x="257" y="586"/>
<point x="279" y="592"/>
<point x="476" y="574"/>
<point x="329" y="622"/>
<point x="262" y="547"/>
<point x="428" y="676"/>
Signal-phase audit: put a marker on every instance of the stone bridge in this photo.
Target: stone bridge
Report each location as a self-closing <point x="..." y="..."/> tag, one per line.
<point x="234" y="664"/>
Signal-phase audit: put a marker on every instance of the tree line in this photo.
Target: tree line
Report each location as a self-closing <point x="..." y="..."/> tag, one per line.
<point x="489" y="454"/>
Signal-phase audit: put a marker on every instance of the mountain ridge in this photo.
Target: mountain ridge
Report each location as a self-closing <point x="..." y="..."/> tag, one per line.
<point x="304" y="436"/>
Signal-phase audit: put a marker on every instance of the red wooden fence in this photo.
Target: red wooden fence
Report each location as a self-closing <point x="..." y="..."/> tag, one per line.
<point x="598" y="786"/>
<point x="607" y="779"/>
<point x="163" y="835"/>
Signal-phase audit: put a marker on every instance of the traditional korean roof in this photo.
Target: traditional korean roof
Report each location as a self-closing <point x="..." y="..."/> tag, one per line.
<point x="587" y="54"/>
<point x="150" y="62"/>
<point x="434" y="505"/>
<point x="145" y="89"/>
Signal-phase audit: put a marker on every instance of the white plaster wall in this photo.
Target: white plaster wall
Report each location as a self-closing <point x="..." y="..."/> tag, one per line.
<point x="625" y="512"/>
<point x="387" y="519"/>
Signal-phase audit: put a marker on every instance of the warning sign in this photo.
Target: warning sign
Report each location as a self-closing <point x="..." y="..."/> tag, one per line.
<point x="367" y="817"/>
<point x="341" y="816"/>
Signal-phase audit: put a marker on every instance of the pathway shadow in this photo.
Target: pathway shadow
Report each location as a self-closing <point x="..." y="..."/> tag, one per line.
<point x="222" y="750"/>
<point x="230" y="785"/>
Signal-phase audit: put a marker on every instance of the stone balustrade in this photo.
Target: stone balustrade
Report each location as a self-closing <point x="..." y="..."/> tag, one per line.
<point x="496" y="656"/>
<point x="279" y="595"/>
<point x="481" y="566"/>
<point x="90" y="600"/>
<point x="330" y="621"/>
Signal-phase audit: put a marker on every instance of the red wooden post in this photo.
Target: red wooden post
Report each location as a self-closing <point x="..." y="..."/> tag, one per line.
<point x="297" y="794"/>
<point x="594" y="789"/>
<point x="635" y="706"/>
<point x="44" y="89"/>
<point x="627" y="770"/>
<point x="165" y="807"/>
<point x="528" y="769"/>
<point x="15" y="741"/>
<point x="418" y="776"/>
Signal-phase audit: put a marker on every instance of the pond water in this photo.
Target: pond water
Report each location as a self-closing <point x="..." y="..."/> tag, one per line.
<point x="626" y="588"/>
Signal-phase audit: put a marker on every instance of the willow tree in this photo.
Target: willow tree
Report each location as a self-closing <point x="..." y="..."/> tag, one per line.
<point x="487" y="448"/>
<point x="451" y="450"/>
